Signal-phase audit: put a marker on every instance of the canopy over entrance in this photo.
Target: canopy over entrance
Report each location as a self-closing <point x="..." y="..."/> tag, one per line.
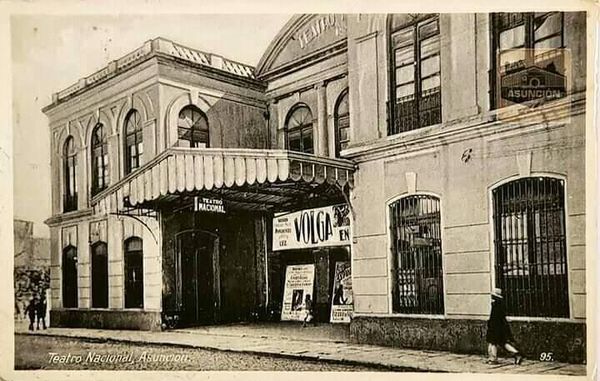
<point x="246" y="179"/>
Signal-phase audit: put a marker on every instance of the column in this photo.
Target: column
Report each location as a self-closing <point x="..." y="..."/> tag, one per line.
<point x="113" y="158"/>
<point x="115" y="263"/>
<point x="81" y="178"/>
<point x="321" y="148"/>
<point x="149" y="135"/>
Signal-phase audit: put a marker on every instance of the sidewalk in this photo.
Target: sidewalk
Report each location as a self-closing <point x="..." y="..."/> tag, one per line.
<point x="315" y="345"/>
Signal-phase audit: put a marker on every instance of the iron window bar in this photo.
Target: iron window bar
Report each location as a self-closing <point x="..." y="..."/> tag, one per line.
<point x="530" y="247"/>
<point x="417" y="249"/>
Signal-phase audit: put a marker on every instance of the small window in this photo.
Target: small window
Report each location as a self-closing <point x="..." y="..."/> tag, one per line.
<point x="342" y="123"/>
<point x="134" y="144"/>
<point x="69" y="277"/>
<point x="192" y="128"/>
<point x="99" y="275"/>
<point x="134" y="273"/>
<point x="99" y="159"/>
<point x="417" y="251"/>
<point x="70" y="175"/>
<point x="299" y="128"/>
<point x="415" y="75"/>
<point x="531" y="251"/>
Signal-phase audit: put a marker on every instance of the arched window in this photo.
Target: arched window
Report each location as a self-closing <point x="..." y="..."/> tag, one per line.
<point x="70" y="175"/>
<point x="530" y="247"/>
<point x="192" y="128"/>
<point x="342" y="123"/>
<point x="134" y="144"/>
<point x="415" y="81"/>
<point x="417" y="251"/>
<point x="134" y="273"/>
<point x="99" y="275"/>
<point x="299" y="129"/>
<point x="99" y="159"/>
<point x="69" y="277"/>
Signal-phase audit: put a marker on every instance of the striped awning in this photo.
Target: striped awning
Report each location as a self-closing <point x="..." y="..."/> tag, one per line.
<point x="248" y="178"/>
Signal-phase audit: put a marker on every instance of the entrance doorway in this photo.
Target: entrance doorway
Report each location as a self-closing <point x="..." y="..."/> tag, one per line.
<point x="198" y="277"/>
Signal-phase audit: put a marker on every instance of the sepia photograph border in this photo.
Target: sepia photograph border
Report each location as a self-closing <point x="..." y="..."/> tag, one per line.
<point x="180" y="7"/>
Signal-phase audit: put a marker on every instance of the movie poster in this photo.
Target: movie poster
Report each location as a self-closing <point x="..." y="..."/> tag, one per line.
<point x="342" y="303"/>
<point x="299" y="281"/>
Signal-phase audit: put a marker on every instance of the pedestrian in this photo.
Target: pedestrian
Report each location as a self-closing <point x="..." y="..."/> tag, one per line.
<point x="308" y="310"/>
<point x="41" y="309"/>
<point x="30" y="311"/>
<point x="498" y="331"/>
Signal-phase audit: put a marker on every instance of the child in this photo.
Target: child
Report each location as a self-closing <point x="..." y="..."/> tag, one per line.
<point x="308" y="310"/>
<point x="498" y="333"/>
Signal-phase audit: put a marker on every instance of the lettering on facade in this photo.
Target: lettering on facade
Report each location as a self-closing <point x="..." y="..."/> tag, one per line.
<point x="212" y="205"/>
<point x="319" y="26"/>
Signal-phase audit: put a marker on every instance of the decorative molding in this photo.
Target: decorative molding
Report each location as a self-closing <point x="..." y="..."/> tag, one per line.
<point x="524" y="163"/>
<point x="411" y="182"/>
<point x="488" y="126"/>
<point x="368" y="36"/>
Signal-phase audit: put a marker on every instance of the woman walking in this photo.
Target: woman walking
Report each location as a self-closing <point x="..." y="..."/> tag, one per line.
<point x="498" y="333"/>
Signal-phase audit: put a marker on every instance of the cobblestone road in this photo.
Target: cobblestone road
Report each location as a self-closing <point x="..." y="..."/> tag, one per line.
<point x="33" y="352"/>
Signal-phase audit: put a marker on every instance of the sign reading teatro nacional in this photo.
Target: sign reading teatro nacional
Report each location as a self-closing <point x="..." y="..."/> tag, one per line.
<point x="309" y="228"/>
<point x="212" y="205"/>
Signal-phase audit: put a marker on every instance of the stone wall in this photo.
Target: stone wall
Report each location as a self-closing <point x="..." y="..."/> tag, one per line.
<point x="105" y="319"/>
<point x="566" y="340"/>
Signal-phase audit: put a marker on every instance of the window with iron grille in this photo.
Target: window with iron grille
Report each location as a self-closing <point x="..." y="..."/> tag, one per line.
<point x="134" y="145"/>
<point x="524" y="40"/>
<point x="70" y="175"/>
<point x="192" y="128"/>
<point x="134" y="273"/>
<point x="99" y="275"/>
<point x="530" y="248"/>
<point x="69" y="277"/>
<point x="342" y="123"/>
<point x="99" y="159"/>
<point x="415" y="81"/>
<point x="299" y="129"/>
<point x="417" y="251"/>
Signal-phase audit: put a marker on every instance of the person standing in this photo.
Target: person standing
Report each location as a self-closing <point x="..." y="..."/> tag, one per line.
<point x="41" y="309"/>
<point x="31" y="311"/>
<point x="498" y="330"/>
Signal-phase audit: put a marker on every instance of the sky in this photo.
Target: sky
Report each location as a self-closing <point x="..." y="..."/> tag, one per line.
<point x="50" y="53"/>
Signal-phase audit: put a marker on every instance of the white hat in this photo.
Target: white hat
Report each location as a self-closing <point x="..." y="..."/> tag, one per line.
<point x="497" y="293"/>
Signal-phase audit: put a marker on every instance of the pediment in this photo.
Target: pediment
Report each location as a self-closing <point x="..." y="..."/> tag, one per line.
<point x="300" y="38"/>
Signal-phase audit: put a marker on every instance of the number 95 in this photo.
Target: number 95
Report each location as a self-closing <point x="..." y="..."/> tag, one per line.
<point x="547" y="356"/>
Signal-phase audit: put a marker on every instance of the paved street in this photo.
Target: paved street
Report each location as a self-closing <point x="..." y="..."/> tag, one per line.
<point x="34" y="352"/>
<point x="310" y="344"/>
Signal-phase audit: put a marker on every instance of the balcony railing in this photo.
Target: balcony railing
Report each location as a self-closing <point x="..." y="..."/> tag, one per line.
<point x="407" y="115"/>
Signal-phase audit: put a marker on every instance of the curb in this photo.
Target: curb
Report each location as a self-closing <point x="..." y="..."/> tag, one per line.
<point x="318" y="358"/>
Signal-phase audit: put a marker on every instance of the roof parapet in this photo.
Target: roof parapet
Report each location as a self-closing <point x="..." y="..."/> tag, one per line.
<point x="157" y="45"/>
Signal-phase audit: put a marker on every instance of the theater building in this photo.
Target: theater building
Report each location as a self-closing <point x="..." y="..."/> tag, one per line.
<point x="166" y="175"/>
<point x="436" y="156"/>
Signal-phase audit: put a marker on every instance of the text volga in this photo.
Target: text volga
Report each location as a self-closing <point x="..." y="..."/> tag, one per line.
<point x="317" y="227"/>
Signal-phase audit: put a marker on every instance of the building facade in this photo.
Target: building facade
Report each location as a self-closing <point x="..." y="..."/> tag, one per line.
<point x="459" y="190"/>
<point x="174" y="168"/>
